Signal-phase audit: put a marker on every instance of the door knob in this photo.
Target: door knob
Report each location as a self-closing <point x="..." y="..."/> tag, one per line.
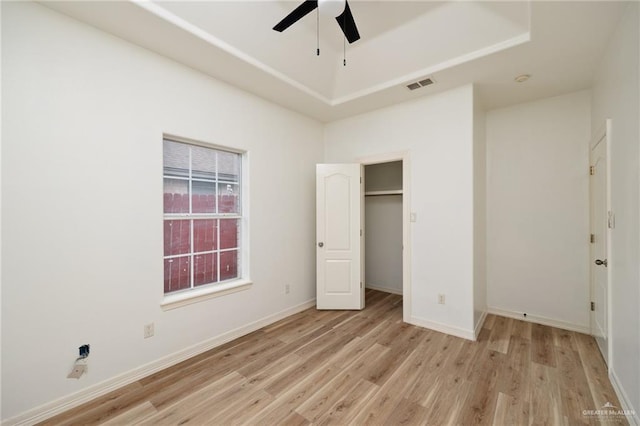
<point x="321" y="244"/>
<point x="601" y="262"/>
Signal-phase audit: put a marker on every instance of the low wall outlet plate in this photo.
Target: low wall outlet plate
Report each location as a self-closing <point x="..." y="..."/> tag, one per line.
<point x="78" y="370"/>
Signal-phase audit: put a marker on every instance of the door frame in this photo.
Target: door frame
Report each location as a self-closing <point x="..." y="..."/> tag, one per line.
<point x="406" y="213"/>
<point x="603" y="135"/>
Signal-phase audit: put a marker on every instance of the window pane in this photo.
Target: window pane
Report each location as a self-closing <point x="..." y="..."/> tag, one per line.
<point x="203" y="163"/>
<point x="228" y="265"/>
<point x="228" y="166"/>
<point x="204" y="197"/>
<point x="228" y="198"/>
<point x="205" y="269"/>
<point x="177" y="237"/>
<point x="176" y="196"/>
<point x="176" y="159"/>
<point x="203" y="186"/>
<point x="205" y="234"/>
<point x="176" y="274"/>
<point x="229" y="230"/>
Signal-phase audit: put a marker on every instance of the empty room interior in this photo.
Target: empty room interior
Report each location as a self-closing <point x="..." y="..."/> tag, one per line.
<point x="320" y="212"/>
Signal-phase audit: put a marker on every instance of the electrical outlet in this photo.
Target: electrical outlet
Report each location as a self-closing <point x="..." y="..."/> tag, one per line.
<point x="441" y="299"/>
<point x="148" y="331"/>
<point x="287" y="289"/>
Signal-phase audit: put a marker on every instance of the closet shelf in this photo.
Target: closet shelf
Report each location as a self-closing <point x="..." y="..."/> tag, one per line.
<point x="389" y="192"/>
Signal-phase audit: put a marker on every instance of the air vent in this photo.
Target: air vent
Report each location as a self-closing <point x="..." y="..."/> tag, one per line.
<point x="420" y="83"/>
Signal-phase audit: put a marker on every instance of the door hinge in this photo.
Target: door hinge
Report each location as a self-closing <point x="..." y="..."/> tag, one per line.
<point x="592" y="238"/>
<point x="593" y="306"/>
<point x="592" y="170"/>
<point x="360" y="179"/>
<point x="361" y="232"/>
<point x="360" y="284"/>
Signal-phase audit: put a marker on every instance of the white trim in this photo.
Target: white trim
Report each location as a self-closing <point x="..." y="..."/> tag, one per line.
<point x="384" y="289"/>
<point x="540" y="320"/>
<point x="75" y="399"/>
<point x="459" y="60"/>
<point x="203" y="35"/>
<point x="198" y="294"/>
<point x="624" y="399"/>
<point x="443" y="328"/>
<point x="478" y="327"/>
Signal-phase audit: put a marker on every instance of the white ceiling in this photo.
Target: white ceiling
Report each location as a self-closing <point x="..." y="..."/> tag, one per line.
<point x="455" y="42"/>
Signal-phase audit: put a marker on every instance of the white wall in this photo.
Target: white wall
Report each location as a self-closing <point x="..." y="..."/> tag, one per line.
<point x="616" y="96"/>
<point x="538" y="209"/>
<point x="83" y="118"/>
<point x="479" y="213"/>
<point x="437" y="132"/>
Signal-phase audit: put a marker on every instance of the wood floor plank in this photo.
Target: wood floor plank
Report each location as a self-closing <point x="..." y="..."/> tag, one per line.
<point x="101" y="409"/>
<point x="503" y="407"/>
<point x="482" y="399"/>
<point x="521" y="329"/>
<point x="368" y="367"/>
<point x="191" y="402"/>
<point x="489" y="321"/>
<point x="500" y="335"/>
<point x="135" y="415"/>
<point x="595" y="371"/>
<point x="449" y="405"/>
<point x="295" y="394"/>
<point x="546" y="404"/>
<point x="564" y="339"/>
<point x="348" y="406"/>
<point x="515" y="379"/>
<point x="574" y="386"/>
<point x="407" y="413"/>
<point x="543" y="352"/>
<point x="316" y="405"/>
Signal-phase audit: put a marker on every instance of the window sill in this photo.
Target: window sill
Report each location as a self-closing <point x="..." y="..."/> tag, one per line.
<point x="173" y="301"/>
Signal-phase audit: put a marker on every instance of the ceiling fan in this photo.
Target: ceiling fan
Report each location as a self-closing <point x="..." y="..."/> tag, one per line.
<point x="335" y="8"/>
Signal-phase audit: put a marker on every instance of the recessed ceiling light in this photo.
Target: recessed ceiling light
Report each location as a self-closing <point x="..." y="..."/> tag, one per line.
<point x="522" y="78"/>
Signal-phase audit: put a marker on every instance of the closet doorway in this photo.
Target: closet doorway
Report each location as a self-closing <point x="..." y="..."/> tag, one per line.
<point x="386" y="227"/>
<point x="383" y="226"/>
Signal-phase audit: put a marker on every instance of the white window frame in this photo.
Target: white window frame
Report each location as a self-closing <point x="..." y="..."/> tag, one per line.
<point x="243" y="282"/>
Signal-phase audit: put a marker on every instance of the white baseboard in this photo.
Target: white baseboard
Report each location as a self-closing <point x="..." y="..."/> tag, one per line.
<point x="634" y="417"/>
<point x="540" y="320"/>
<point x="75" y="399"/>
<point x="443" y="328"/>
<point x="385" y="289"/>
<point x="478" y="328"/>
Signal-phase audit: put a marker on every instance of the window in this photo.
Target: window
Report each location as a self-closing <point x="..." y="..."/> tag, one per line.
<point x="202" y="216"/>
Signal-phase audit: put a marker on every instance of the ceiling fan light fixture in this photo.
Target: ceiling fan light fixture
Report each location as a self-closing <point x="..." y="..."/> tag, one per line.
<point x="331" y="8"/>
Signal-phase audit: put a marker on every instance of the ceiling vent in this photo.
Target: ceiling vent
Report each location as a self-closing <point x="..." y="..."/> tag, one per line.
<point x="421" y="83"/>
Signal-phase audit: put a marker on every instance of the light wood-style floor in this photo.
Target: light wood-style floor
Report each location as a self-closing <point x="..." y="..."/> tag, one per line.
<point x="368" y="367"/>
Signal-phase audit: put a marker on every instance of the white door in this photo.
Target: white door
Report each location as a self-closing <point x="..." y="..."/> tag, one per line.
<point x="339" y="247"/>
<point x="599" y="261"/>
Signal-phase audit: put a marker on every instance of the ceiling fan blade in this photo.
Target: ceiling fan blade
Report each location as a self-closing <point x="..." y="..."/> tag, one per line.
<point x="298" y="13"/>
<point x="348" y="25"/>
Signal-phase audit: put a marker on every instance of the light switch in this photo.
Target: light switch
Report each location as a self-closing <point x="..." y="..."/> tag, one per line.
<point x="413" y="216"/>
